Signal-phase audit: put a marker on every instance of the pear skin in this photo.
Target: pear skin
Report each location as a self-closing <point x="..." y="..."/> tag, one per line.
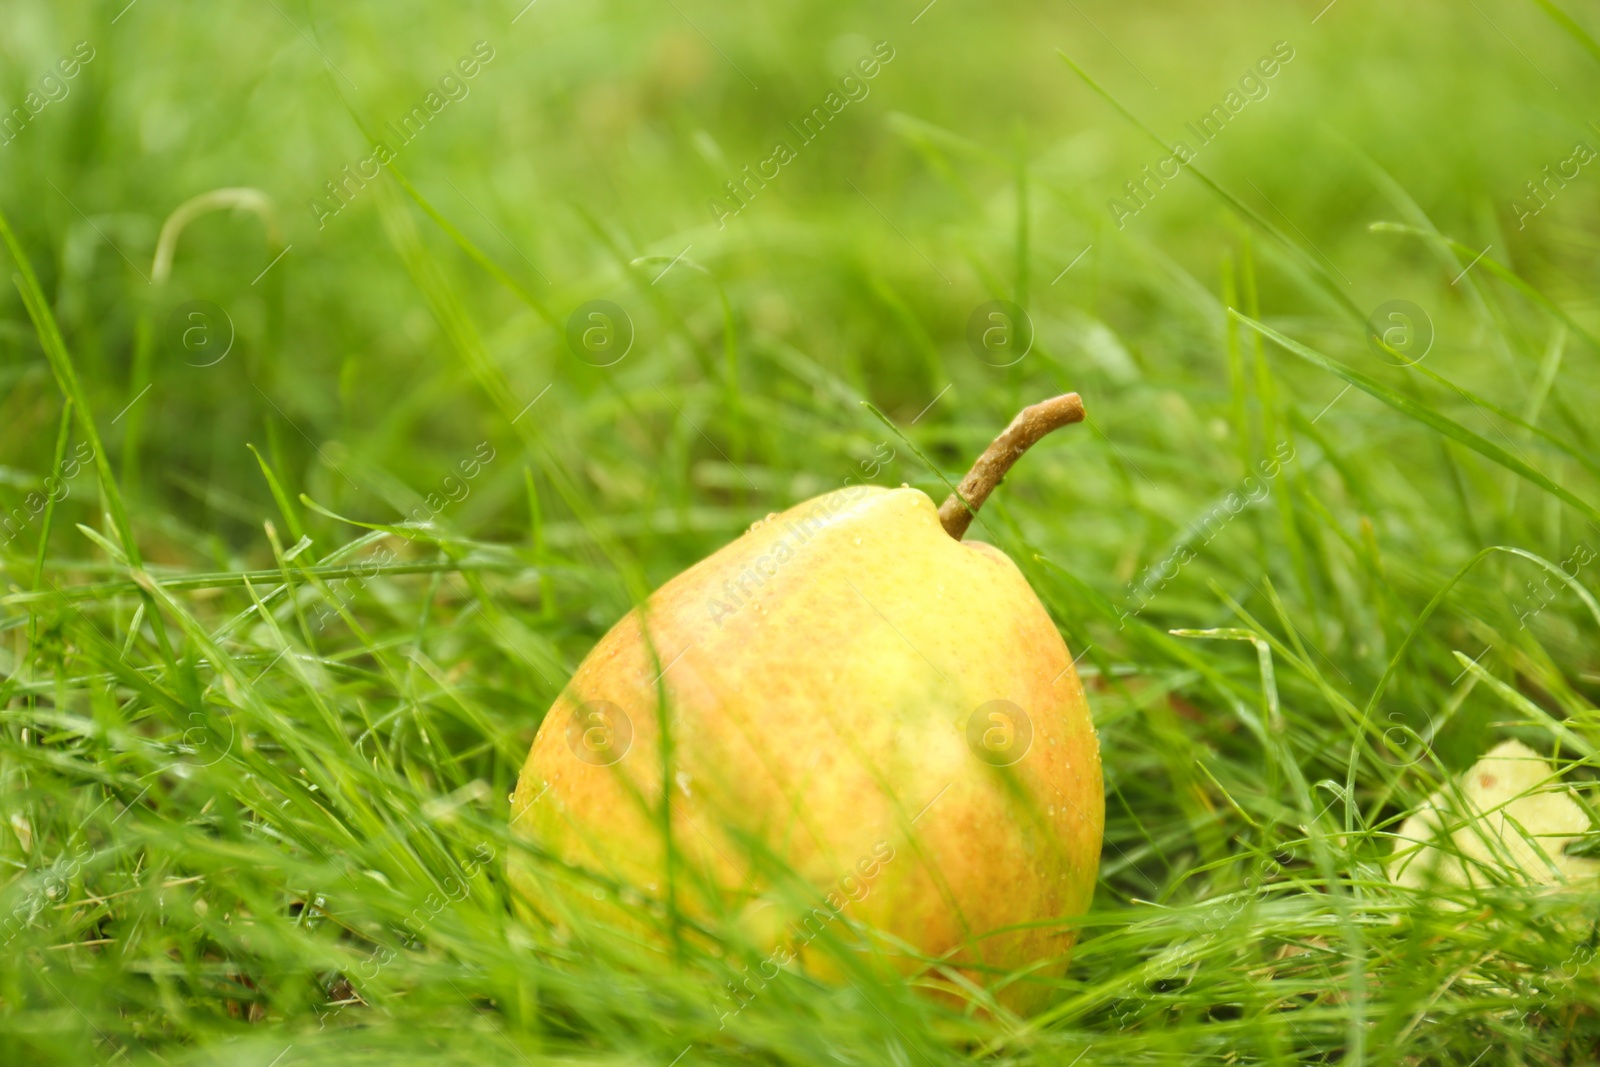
<point x="856" y="704"/>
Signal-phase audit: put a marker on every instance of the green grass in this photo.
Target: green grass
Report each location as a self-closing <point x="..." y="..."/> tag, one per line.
<point x="252" y="728"/>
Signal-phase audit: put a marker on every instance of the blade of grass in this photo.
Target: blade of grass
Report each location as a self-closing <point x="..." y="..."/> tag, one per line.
<point x="55" y="349"/>
<point x="1499" y="270"/>
<point x="1427" y="416"/>
<point x="1570" y="25"/>
<point x="285" y="508"/>
<point x="63" y="433"/>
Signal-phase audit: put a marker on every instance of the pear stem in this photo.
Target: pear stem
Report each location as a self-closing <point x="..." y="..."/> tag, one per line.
<point x="957" y="512"/>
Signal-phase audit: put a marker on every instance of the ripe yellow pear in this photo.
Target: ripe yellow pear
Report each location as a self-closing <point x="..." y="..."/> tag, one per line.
<point x="855" y="701"/>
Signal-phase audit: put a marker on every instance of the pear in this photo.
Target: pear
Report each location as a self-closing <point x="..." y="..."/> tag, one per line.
<point x="848" y="727"/>
<point x="1506" y="821"/>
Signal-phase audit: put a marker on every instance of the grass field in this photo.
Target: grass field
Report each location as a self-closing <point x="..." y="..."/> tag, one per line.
<point x="253" y="723"/>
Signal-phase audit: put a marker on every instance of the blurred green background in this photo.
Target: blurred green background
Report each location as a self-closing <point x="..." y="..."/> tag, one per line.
<point x="378" y="351"/>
